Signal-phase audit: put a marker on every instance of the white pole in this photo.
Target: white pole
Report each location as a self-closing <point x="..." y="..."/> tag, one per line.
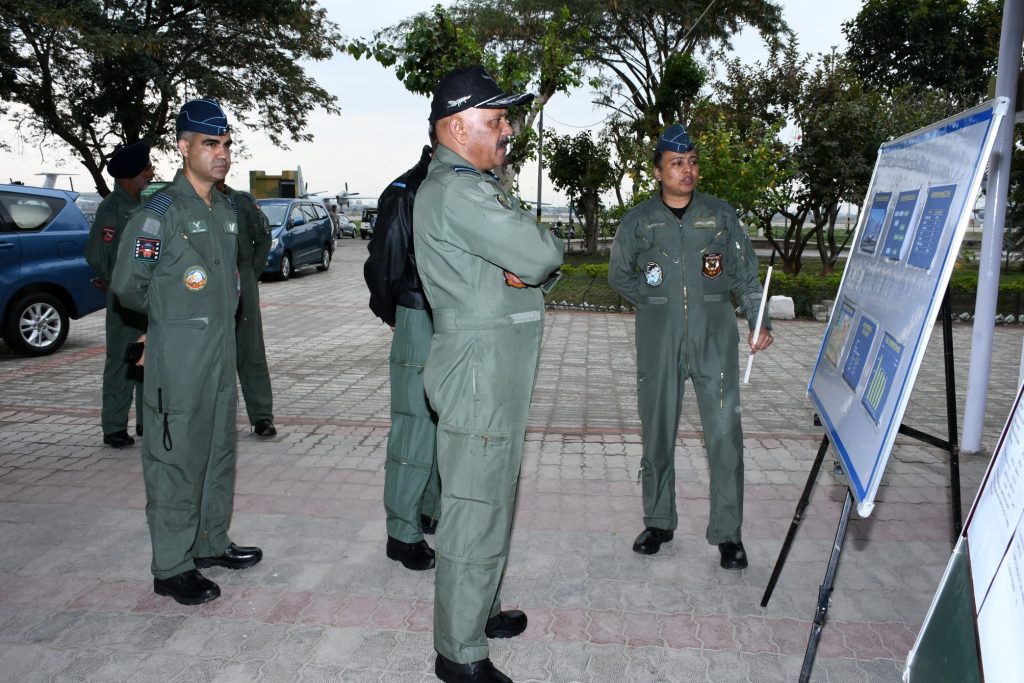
<point x="992" y="235"/>
<point x="757" y="325"/>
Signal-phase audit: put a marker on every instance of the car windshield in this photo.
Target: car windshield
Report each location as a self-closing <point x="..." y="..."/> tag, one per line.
<point x="275" y="213"/>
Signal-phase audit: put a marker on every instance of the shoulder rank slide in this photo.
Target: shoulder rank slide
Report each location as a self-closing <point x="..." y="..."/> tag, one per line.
<point x="466" y="170"/>
<point x="159" y="203"/>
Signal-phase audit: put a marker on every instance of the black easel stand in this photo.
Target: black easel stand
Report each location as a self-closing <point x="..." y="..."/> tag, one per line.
<point x="952" y="446"/>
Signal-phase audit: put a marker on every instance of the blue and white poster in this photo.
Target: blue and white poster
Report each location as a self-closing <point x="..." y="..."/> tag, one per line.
<point x="916" y="209"/>
<point x="900" y="224"/>
<point x="933" y="219"/>
<point x="876" y="219"/>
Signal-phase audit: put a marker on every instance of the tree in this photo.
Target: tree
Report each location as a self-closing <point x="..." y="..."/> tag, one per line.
<point x="951" y="45"/>
<point x="87" y="75"/>
<point x="583" y="170"/>
<point x="524" y="48"/>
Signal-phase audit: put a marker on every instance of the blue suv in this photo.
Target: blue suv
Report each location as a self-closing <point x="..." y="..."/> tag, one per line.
<point x="303" y="235"/>
<point x="44" y="279"/>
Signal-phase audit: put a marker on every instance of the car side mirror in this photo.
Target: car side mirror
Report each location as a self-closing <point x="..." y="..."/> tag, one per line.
<point x="295" y="222"/>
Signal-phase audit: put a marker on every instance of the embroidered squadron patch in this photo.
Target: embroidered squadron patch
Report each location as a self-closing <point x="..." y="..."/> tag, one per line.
<point x="231" y="226"/>
<point x="195" y="278"/>
<point x="109" y="234"/>
<point x="197" y="226"/>
<point x="504" y="202"/>
<point x="147" y="249"/>
<point x="653" y="274"/>
<point x="712" y="265"/>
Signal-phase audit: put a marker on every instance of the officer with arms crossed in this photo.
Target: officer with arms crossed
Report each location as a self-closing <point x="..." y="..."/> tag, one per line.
<point x="178" y="264"/>
<point x="677" y="257"/>
<point x="412" y="488"/>
<point x="254" y="241"/>
<point x="133" y="172"/>
<point x="485" y="264"/>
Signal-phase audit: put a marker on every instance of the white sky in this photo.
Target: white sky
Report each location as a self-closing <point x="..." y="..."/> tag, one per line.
<point x="382" y="126"/>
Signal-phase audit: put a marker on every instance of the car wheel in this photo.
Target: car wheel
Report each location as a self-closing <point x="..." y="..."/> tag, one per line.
<point x="325" y="259"/>
<point x="285" y="271"/>
<point x="36" y="324"/>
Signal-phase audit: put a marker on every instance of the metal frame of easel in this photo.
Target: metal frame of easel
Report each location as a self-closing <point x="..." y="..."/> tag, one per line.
<point x="952" y="446"/>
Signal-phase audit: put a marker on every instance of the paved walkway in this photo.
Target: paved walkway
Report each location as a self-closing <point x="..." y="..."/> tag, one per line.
<point x="76" y="600"/>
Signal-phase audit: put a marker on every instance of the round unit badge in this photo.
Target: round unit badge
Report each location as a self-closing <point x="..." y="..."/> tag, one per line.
<point x="195" y="278"/>
<point x="653" y="274"/>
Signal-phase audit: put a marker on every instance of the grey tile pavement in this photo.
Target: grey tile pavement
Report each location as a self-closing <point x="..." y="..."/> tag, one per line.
<point x="76" y="602"/>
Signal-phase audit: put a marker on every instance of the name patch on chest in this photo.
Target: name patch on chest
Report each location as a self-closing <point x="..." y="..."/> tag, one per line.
<point x="195" y="278"/>
<point x="147" y="249"/>
<point x="197" y="226"/>
<point x="712" y="265"/>
<point x="704" y="223"/>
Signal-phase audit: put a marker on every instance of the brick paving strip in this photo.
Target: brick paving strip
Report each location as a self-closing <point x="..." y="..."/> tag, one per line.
<point x="76" y="600"/>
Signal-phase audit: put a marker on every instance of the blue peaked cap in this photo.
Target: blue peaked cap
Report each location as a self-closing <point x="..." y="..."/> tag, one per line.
<point x="674" y="139"/>
<point x="202" y="116"/>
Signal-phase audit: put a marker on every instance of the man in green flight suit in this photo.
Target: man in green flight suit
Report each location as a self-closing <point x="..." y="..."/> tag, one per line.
<point x="132" y="171"/>
<point x="485" y="264"/>
<point x="677" y="257"/>
<point x="412" y="486"/>
<point x="254" y="241"/>
<point x="178" y="264"/>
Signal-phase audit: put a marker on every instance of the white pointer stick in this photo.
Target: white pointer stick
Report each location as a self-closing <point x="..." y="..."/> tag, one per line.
<point x="757" y="325"/>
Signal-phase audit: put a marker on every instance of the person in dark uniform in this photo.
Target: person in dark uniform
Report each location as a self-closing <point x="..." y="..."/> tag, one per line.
<point x="177" y="263"/>
<point x="678" y="257"/>
<point x="254" y="241"/>
<point x="412" y="488"/>
<point x="485" y="263"/>
<point x="132" y="172"/>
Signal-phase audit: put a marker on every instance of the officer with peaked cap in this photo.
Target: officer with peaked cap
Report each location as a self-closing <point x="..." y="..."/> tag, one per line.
<point x="177" y="263"/>
<point x="485" y="264"/>
<point x="132" y="172"/>
<point x="678" y="257"/>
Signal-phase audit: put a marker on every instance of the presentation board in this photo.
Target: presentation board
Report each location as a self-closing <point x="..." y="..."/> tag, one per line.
<point x="975" y="625"/>
<point x="922" y="191"/>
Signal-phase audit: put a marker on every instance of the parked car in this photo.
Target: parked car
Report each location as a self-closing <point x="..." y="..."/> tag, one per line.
<point x="345" y="227"/>
<point x="366" y="226"/>
<point x="303" y="235"/>
<point x="44" y="279"/>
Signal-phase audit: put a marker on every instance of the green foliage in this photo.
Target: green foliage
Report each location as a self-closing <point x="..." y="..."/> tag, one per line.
<point x="87" y="75"/>
<point x="948" y="45"/>
<point x="526" y="46"/>
<point x="583" y="170"/>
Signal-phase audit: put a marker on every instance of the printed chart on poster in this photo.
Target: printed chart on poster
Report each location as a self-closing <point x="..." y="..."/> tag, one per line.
<point x="922" y="192"/>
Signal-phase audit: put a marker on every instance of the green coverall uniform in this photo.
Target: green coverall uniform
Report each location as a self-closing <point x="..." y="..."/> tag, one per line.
<point x="178" y="264"/>
<point x="679" y="274"/>
<point x="123" y="326"/>
<point x="412" y="486"/>
<point x="479" y="378"/>
<point x="253" y="246"/>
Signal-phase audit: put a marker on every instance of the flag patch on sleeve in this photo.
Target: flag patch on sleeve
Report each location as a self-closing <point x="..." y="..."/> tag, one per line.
<point x="147" y="249"/>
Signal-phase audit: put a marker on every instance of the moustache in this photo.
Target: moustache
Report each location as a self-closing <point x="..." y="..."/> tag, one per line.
<point x="503" y="142"/>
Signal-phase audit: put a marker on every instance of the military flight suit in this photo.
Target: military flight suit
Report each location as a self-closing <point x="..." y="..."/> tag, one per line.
<point x="123" y="325"/>
<point x="412" y="486"/>
<point x="679" y="275"/>
<point x="253" y="246"/>
<point x="479" y="378"/>
<point x="178" y="263"/>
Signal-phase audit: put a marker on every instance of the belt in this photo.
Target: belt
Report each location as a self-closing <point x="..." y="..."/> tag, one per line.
<point x="450" y="320"/>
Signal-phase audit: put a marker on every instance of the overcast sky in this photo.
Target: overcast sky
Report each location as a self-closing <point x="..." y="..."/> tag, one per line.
<point x="382" y="126"/>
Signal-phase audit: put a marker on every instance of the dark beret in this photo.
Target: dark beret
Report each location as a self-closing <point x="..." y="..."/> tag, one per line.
<point x="129" y="161"/>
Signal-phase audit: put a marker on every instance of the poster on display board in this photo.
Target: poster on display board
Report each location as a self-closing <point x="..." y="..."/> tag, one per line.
<point x="975" y="626"/>
<point x="922" y="191"/>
